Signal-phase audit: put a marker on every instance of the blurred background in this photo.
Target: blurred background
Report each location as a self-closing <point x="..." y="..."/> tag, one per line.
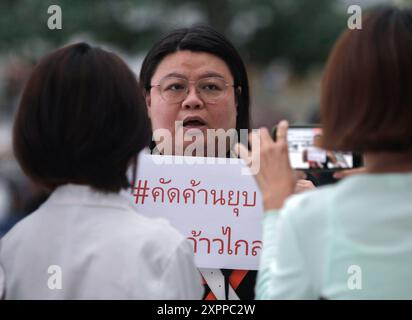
<point x="284" y="44"/>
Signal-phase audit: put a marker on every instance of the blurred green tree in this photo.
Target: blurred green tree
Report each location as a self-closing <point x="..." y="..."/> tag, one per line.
<point x="300" y="31"/>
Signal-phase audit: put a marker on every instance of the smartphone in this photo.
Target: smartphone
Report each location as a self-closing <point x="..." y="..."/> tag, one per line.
<point x="306" y="154"/>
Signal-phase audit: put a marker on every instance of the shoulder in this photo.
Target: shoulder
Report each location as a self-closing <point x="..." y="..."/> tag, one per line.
<point x="157" y="238"/>
<point x="157" y="230"/>
<point x="308" y="205"/>
<point x="314" y="202"/>
<point x="307" y="215"/>
<point x="105" y="227"/>
<point x="303" y="228"/>
<point x="22" y="227"/>
<point x="161" y="246"/>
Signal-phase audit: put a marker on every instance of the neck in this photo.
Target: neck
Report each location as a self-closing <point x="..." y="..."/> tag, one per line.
<point x="386" y="162"/>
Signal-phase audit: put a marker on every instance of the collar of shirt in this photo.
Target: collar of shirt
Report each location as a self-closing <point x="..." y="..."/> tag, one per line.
<point x="74" y="194"/>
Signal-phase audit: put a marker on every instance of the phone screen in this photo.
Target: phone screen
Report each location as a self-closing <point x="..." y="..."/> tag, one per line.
<point x="305" y="152"/>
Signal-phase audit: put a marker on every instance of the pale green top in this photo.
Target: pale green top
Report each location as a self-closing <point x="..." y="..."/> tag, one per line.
<point x="352" y="240"/>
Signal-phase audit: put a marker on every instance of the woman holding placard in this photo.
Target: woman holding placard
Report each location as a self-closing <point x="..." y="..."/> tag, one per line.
<point x="194" y="81"/>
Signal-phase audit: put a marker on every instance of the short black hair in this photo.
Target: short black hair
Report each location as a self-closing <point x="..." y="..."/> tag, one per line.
<point x="81" y="120"/>
<point x="202" y="39"/>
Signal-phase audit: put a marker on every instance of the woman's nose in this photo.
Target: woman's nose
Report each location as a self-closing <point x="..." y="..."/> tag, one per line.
<point x="193" y="99"/>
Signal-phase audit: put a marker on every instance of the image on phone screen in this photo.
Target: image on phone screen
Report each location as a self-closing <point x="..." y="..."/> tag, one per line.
<point x="305" y="151"/>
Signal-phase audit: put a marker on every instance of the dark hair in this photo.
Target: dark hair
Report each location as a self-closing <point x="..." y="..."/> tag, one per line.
<point x="202" y="39"/>
<point x="81" y="120"/>
<point x="366" y="102"/>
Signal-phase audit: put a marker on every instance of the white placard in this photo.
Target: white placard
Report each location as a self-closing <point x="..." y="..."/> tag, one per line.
<point x="214" y="205"/>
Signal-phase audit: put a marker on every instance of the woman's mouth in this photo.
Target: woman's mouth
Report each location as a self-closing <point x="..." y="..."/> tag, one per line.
<point x="194" y="123"/>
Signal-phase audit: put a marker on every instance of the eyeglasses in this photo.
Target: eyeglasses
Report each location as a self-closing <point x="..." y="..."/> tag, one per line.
<point x="175" y="90"/>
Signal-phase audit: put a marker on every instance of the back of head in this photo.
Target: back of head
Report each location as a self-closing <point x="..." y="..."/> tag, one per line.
<point x="80" y="120"/>
<point x="366" y="102"/>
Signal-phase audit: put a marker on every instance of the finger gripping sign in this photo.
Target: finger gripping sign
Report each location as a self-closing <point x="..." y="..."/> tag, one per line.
<point x="212" y="203"/>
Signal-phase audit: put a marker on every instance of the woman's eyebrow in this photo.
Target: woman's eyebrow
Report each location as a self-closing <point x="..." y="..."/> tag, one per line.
<point x="204" y="75"/>
<point x="211" y="74"/>
<point x="175" y="74"/>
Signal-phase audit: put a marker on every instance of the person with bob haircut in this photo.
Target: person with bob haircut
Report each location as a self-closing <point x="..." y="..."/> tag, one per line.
<point x="79" y="126"/>
<point x="351" y="240"/>
<point x="195" y="76"/>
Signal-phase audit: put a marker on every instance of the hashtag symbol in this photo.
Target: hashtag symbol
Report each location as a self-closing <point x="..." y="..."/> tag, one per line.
<point x="141" y="192"/>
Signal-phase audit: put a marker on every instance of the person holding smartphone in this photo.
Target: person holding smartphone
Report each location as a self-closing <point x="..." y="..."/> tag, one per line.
<point x="351" y="240"/>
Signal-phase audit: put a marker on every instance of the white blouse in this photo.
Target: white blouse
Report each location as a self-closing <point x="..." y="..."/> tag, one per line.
<point x="83" y="244"/>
